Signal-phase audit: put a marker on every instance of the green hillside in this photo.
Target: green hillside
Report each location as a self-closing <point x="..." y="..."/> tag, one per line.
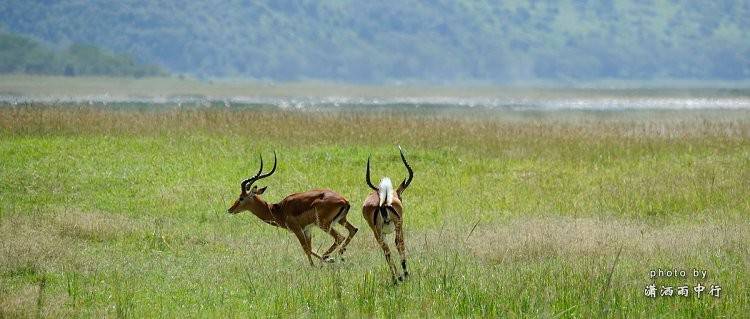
<point x="436" y="41"/>
<point x="22" y="55"/>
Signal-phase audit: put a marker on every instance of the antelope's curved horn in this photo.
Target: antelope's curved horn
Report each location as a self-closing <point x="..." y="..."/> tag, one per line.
<point x="367" y="176"/>
<point x="249" y="182"/>
<point x="273" y="169"/>
<point x="407" y="180"/>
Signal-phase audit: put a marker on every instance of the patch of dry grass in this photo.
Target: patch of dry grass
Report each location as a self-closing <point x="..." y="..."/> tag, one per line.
<point x="39" y="243"/>
<point x="550" y="237"/>
<point x="428" y="128"/>
<point x="31" y="244"/>
<point x="92" y="226"/>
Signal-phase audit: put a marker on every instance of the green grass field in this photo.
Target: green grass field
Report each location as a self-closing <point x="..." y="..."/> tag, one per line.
<point x="108" y="212"/>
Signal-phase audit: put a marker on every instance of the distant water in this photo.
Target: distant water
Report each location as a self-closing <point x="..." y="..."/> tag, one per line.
<point x="545" y="102"/>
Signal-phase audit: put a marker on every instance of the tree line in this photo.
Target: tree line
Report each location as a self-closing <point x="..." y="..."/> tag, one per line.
<point x="436" y="41"/>
<point x="20" y="54"/>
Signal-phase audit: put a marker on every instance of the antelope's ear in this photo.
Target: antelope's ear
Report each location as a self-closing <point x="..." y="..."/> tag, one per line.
<point x="260" y="191"/>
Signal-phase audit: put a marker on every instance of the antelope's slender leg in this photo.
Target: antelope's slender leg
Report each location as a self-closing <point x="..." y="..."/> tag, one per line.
<point x="387" y="253"/>
<point x="352" y="231"/>
<point x="401" y="246"/>
<point x="304" y="241"/>
<point x="337" y="240"/>
<point x="308" y="237"/>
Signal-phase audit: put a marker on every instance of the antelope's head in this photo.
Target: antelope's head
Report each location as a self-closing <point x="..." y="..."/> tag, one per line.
<point x="249" y="196"/>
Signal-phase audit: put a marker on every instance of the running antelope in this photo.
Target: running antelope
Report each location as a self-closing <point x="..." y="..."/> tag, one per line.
<point x="298" y="213"/>
<point x="384" y="212"/>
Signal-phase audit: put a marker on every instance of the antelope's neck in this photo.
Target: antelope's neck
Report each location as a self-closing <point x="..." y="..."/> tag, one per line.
<point x="264" y="211"/>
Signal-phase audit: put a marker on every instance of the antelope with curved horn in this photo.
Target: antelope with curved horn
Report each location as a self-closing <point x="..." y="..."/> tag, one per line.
<point x="384" y="212"/>
<point x="298" y="212"/>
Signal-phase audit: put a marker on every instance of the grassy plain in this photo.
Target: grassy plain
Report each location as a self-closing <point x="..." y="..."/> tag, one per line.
<point x="122" y="212"/>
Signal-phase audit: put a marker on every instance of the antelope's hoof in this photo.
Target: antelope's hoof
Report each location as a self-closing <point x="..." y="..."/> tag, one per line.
<point x="329" y="259"/>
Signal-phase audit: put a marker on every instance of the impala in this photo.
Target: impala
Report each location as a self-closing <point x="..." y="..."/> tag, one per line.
<point x="384" y="212"/>
<point x="298" y="212"/>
